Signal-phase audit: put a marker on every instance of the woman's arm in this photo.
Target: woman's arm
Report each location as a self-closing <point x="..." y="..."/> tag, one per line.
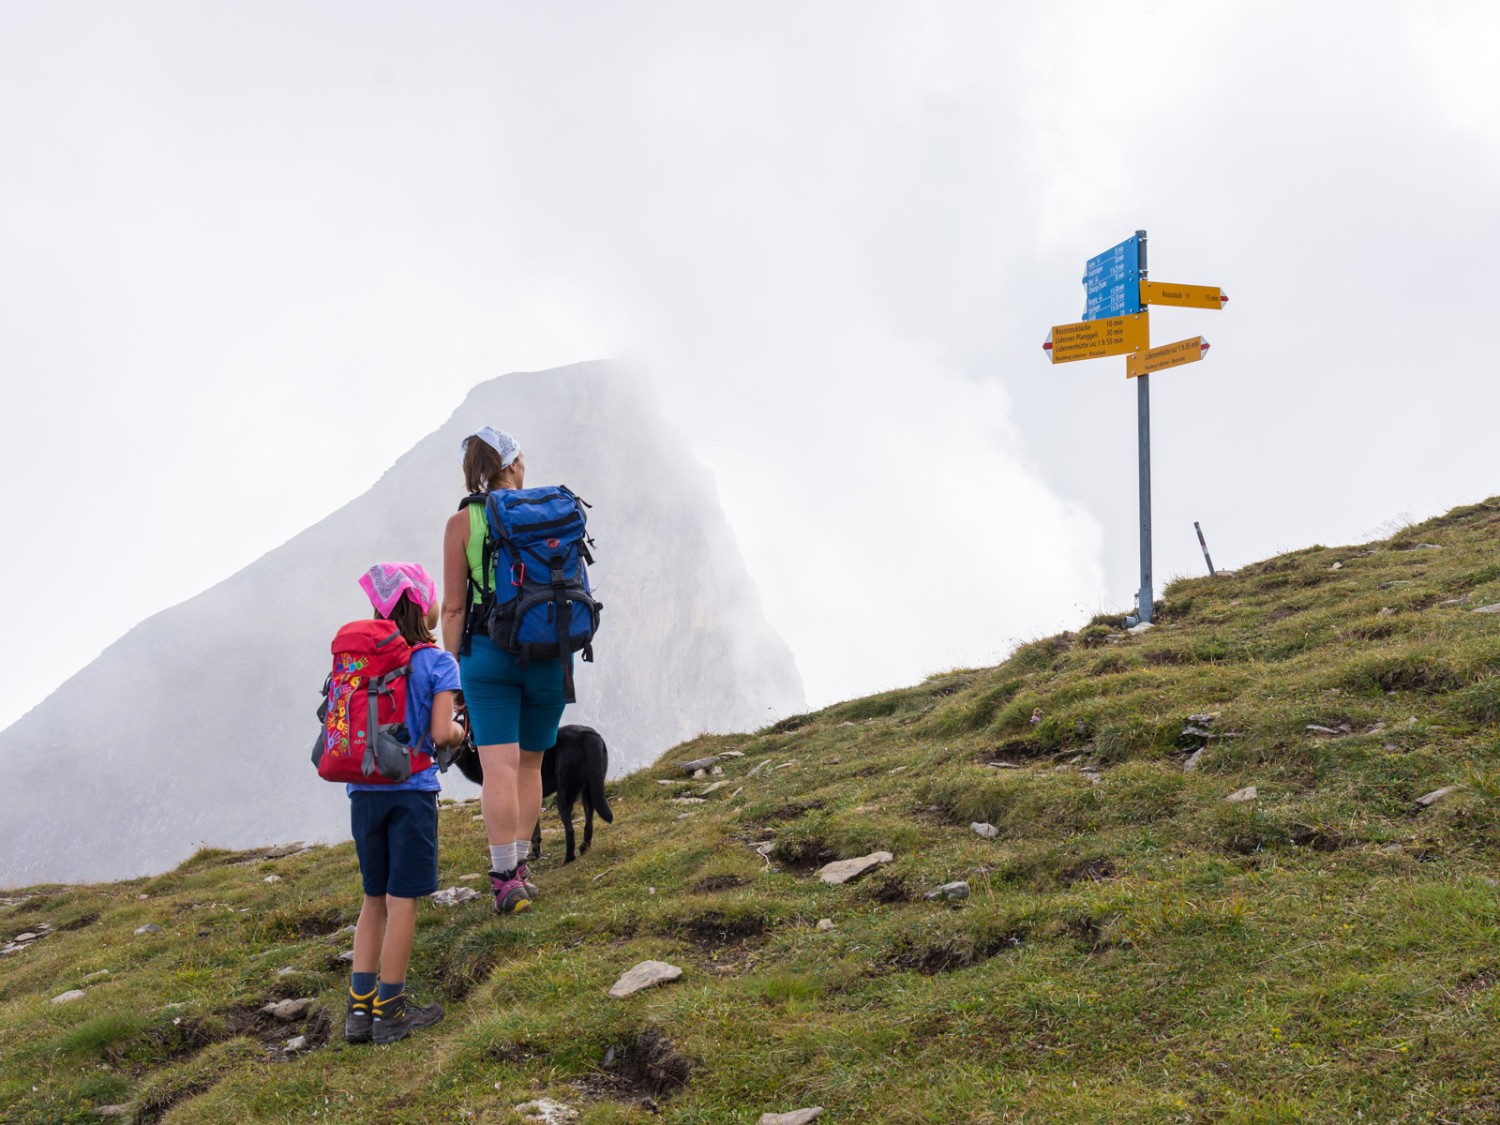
<point x="444" y="730"/>
<point x="455" y="580"/>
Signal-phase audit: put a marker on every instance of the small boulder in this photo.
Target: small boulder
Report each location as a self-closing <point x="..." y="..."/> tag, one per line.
<point x="295" y="1044"/>
<point x="288" y="1010"/>
<point x="1248" y="793"/>
<point x="148" y="928"/>
<point x="1193" y="759"/>
<point x="846" y="870"/>
<point x="988" y="831"/>
<point x="1494" y="608"/>
<point x="647" y="974"/>
<point x="949" y="891"/>
<point x="825" y="924"/>
<point x="698" y="764"/>
<point x="121" y="1110"/>
<point x="545" y="1111"/>
<point x="1427" y="800"/>
<point x="69" y="996"/>
<point x="795" y="1117"/>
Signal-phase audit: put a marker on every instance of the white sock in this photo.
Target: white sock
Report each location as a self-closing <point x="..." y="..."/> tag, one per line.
<point x="502" y="858"/>
<point x="523" y="849"/>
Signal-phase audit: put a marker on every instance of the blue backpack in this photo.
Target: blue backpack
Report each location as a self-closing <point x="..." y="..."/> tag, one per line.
<point x="536" y="600"/>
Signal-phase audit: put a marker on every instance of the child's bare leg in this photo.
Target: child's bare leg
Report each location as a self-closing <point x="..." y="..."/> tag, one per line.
<point x="370" y="933"/>
<point x="400" y="932"/>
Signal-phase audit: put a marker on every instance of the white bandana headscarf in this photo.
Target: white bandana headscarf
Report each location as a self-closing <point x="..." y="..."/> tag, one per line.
<point x="498" y="440"/>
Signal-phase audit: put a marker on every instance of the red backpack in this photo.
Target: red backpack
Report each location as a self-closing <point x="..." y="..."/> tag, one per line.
<point x="364" y="738"/>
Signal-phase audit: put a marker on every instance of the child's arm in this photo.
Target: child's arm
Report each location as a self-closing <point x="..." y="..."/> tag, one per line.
<point x="445" y="731"/>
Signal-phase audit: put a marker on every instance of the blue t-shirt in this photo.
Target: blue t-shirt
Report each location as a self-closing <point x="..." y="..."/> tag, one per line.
<point x="432" y="670"/>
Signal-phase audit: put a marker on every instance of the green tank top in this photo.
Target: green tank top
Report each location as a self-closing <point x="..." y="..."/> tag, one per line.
<point x="474" y="550"/>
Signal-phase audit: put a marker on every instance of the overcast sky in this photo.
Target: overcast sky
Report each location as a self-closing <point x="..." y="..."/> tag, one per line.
<point x="250" y="253"/>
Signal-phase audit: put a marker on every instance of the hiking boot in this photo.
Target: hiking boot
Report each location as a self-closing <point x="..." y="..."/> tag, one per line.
<point x="396" y="1018"/>
<point x="510" y="893"/>
<point x="525" y="877"/>
<point x="358" y="1018"/>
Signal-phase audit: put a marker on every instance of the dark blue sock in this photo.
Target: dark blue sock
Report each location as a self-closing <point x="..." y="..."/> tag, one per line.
<point x="389" y="990"/>
<point x="362" y="984"/>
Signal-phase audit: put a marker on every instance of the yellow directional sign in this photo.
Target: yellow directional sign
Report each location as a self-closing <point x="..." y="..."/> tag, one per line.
<point x="1091" y="339"/>
<point x="1188" y="296"/>
<point x="1168" y="355"/>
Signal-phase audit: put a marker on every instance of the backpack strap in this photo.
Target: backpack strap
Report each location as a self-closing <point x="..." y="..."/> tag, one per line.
<point x="474" y="610"/>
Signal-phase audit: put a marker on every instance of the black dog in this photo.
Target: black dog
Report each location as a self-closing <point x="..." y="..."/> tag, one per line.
<point x="574" y="769"/>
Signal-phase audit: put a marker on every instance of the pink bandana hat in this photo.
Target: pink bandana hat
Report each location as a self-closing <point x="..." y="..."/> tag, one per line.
<point x="386" y="582"/>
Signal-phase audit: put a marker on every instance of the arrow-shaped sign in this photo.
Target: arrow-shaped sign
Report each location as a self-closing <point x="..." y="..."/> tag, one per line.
<point x="1188" y="296"/>
<point x="1168" y="355"/>
<point x="1090" y="339"/>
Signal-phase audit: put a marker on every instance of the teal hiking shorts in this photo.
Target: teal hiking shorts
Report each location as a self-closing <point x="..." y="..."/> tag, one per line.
<point x="508" y="703"/>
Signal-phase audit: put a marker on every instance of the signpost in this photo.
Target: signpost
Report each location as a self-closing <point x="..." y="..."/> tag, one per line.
<point x="1115" y="322"/>
<point x="1168" y="355"/>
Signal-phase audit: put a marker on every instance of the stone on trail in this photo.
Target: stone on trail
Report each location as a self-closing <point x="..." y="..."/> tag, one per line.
<point x="272" y="879"/>
<point x="796" y="1117"/>
<point x="1193" y="759"/>
<point x="295" y="1044"/>
<point x="825" y="924"/>
<point x="288" y="1010"/>
<point x="647" y="974"/>
<point x="69" y="996"/>
<point x="845" y="870"/>
<point x="454" y="895"/>
<point x="1246" y="794"/>
<point x="148" y="928"/>
<point x="988" y="831"/>
<point x="1429" y="799"/>
<point x="949" y="891"/>
<point x="545" y="1111"/>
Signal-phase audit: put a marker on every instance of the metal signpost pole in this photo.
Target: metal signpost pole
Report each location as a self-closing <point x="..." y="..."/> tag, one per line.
<point x="1143" y="412"/>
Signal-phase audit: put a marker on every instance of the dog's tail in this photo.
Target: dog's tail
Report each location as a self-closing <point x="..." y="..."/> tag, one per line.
<point x="599" y="800"/>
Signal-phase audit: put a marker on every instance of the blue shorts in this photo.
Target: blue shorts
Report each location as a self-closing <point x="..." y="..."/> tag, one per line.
<point x="507" y="703"/>
<point x="396" y="839"/>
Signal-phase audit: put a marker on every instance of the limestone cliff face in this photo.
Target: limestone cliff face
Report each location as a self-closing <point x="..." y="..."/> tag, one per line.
<point x="194" y="728"/>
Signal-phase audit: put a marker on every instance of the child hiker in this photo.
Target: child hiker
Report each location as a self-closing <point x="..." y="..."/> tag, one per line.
<point x="395" y="823"/>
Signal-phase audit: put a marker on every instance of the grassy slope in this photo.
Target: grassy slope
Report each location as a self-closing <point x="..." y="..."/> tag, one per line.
<point x="1136" y="948"/>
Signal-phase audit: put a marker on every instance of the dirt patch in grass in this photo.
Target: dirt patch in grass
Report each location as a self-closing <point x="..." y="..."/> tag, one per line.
<point x="711" y="884"/>
<point x="716" y="930"/>
<point x="461" y="968"/>
<point x="885" y="890"/>
<point x="81" y="922"/>
<point x="643" y="1071"/>
<point x="950" y="954"/>
<point x="1094" y="870"/>
<point x="1282" y="612"/>
<point x="1473" y="983"/>
<point x="513" y="1054"/>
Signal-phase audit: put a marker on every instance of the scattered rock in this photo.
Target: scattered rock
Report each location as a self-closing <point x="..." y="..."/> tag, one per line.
<point x="102" y="974"/>
<point x="699" y="775"/>
<point x="988" y="831"/>
<point x="846" y="870"/>
<point x="112" y="1110"/>
<point x="897" y="769"/>
<point x="647" y="974"/>
<point x="288" y="1010"/>
<point x="272" y="879"/>
<point x="1143" y="627"/>
<point x="545" y="1111"/>
<point x="760" y="765"/>
<point x="148" y="928"/>
<point x="1450" y="602"/>
<point x="286" y="971"/>
<point x="687" y="801"/>
<point x="1319" y="728"/>
<point x="793" y="762"/>
<point x="1386" y="611"/>
<point x="1248" y="793"/>
<point x="796" y="1117"/>
<point x="1080" y="727"/>
<point x="847" y="723"/>
<point x="1002" y="765"/>
<point x="1429" y="799"/>
<point x="715" y="787"/>
<point x="698" y="764"/>
<point x="470" y="878"/>
<point x="1426" y="547"/>
<point x="454" y="895"/>
<point x="69" y="996"/>
<point x="731" y="753"/>
<point x="1203" y="719"/>
<point x="717" y="771"/>
<point x="825" y="924"/>
<point x="22" y="939"/>
<point x="1495" y="608"/>
<point x="295" y="1044"/>
<point x="672" y="781"/>
<point x="949" y="891"/>
<point x="347" y="956"/>
<point x="1337" y="566"/>
<point x="1193" y="759"/>
<point x="294" y="848"/>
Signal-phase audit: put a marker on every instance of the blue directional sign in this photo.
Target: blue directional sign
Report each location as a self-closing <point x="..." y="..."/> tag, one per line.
<point x="1112" y="282"/>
